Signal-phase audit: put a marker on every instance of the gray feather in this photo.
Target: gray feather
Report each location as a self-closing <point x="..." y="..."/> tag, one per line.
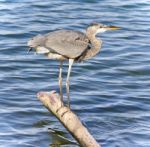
<point x="36" y="41"/>
<point x="68" y="43"/>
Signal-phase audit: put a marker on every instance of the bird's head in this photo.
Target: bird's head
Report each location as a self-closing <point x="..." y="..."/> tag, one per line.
<point x="96" y="28"/>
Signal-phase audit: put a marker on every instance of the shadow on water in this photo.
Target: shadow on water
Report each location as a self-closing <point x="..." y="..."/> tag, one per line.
<point x="59" y="138"/>
<point x="42" y="123"/>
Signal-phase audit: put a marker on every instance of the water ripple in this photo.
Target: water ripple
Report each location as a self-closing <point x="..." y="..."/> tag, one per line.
<point x="110" y="92"/>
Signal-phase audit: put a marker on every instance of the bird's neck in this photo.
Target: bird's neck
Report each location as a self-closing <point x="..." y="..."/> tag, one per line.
<point x="95" y="45"/>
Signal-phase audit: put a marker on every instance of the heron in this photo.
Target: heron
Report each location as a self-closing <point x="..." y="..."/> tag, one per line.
<point x="71" y="45"/>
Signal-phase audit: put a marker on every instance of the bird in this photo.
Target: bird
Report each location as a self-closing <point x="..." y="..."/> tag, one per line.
<point x="71" y="45"/>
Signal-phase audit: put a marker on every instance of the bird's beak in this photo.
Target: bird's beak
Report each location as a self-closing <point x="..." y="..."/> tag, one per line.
<point x="113" y="28"/>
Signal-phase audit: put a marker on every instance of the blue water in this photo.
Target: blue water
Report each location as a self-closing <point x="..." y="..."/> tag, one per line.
<point x="110" y="93"/>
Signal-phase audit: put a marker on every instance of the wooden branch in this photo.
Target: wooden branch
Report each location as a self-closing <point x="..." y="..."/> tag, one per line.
<point x="71" y="122"/>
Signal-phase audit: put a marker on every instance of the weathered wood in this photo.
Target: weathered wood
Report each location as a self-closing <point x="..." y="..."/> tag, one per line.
<point x="71" y="122"/>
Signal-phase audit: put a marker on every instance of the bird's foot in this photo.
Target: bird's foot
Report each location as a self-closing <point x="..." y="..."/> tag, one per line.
<point x="68" y="105"/>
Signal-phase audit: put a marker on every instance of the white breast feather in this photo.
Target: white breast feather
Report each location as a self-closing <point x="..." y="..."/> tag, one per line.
<point x="41" y="50"/>
<point x="55" y="56"/>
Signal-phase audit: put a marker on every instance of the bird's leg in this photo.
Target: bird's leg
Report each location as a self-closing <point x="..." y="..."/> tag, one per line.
<point x="60" y="80"/>
<point x="67" y="81"/>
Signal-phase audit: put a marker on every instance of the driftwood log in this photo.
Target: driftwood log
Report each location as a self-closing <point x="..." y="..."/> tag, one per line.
<point x="71" y="122"/>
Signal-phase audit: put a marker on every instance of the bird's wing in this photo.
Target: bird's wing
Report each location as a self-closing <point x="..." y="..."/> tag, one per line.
<point x="68" y="43"/>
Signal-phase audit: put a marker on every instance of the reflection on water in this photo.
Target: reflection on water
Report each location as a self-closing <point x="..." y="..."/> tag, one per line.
<point x="60" y="138"/>
<point x="110" y="93"/>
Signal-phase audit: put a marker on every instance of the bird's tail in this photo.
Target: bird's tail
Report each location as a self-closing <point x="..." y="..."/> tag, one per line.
<point x="30" y="49"/>
<point x="37" y="43"/>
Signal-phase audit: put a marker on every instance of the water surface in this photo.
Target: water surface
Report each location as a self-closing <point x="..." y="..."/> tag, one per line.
<point x="110" y="93"/>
